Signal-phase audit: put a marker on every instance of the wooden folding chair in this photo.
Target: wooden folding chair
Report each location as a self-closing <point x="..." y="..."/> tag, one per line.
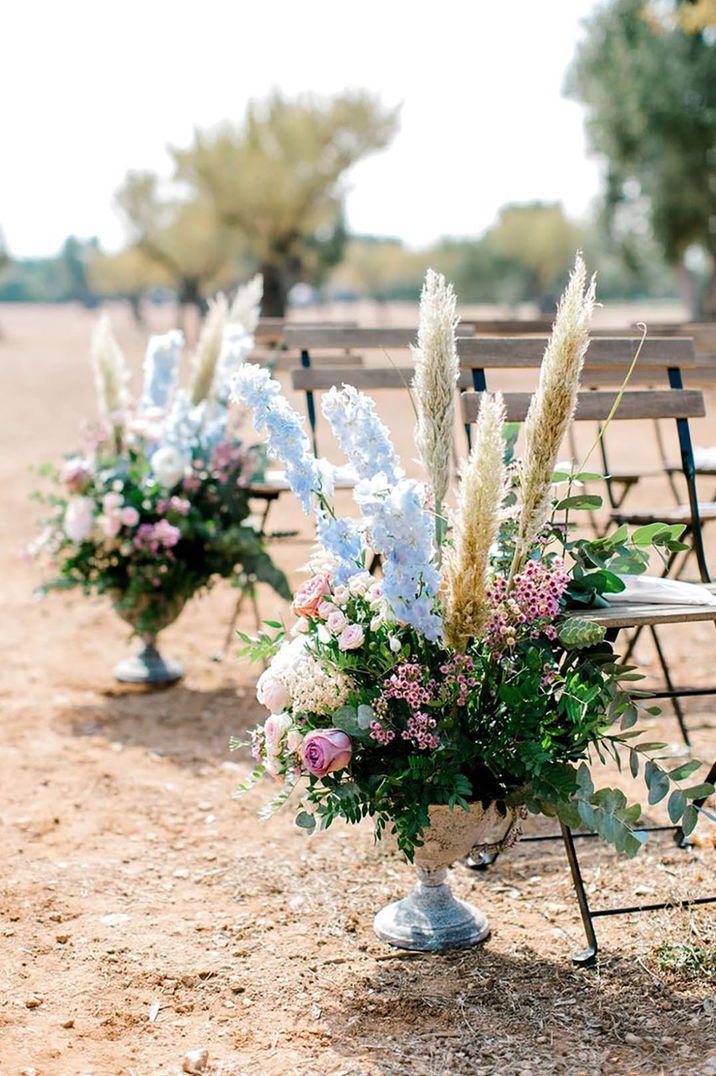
<point x="596" y="406"/>
<point x="314" y="341"/>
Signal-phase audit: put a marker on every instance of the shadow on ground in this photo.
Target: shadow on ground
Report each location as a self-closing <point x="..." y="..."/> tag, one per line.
<point x="186" y="725"/>
<point x="484" y="1011"/>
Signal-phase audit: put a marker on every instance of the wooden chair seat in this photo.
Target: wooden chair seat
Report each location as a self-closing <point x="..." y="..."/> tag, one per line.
<point x="680" y="514"/>
<point x="642" y="614"/>
<point x="276" y="483"/>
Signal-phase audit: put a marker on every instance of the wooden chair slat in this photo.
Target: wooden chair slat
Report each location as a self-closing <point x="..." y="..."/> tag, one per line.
<point x="286" y="360"/>
<point x="500" y="351"/>
<point x="596" y="406"/>
<point x="320" y="378"/>
<point x="702" y="374"/>
<point x="523" y="351"/>
<point x="632" y="616"/>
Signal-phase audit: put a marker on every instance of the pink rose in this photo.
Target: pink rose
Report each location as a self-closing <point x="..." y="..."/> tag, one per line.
<point x="275" y="728"/>
<point x="325" y="609"/>
<point x="111" y="502"/>
<point x="336" y="622"/>
<point x="326" y="751"/>
<point x="129" y="516"/>
<point x="351" y="637"/>
<point x="310" y="596"/>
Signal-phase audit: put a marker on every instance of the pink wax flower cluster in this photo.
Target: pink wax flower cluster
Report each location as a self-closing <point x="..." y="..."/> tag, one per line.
<point x="227" y="457"/>
<point x="180" y="505"/>
<point x="153" y="537"/>
<point x="407" y="684"/>
<point x="531" y="607"/>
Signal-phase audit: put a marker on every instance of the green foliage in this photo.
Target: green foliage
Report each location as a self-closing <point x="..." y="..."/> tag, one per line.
<point x="577" y="633"/>
<point x="691" y="960"/>
<point x="62" y="277"/>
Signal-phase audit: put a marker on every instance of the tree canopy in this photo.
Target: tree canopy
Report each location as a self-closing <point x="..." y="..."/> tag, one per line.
<point x="277" y="180"/>
<point x="647" y="74"/>
<point x="182" y="236"/>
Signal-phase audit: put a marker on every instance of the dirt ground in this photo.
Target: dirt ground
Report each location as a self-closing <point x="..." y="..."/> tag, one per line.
<point x="146" y="913"/>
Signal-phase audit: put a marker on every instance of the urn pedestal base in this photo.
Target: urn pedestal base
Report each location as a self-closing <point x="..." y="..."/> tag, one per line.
<point x="148" y="667"/>
<point x="430" y="918"/>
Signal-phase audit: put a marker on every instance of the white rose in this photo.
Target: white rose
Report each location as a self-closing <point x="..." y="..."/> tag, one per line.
<point x="395" y="644"/>
<point x="341" y="595"/>
<point x="358" y="584"/>
<point x="271" y="692"/>
<point x="79" y="518"/>
<point x="169" y="465"/>
<point x="377" y="622"/>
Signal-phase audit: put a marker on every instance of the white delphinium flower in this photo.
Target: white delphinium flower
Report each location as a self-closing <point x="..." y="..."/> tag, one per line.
<point x="111" y="374"/>
<point x="553" y="406"/>
<point x="436" y="374"/>
<point x="209" y="348"/>
<point x="246" y="307"/>
<point x="161" y="366"/>
<point x="477" y="521"/>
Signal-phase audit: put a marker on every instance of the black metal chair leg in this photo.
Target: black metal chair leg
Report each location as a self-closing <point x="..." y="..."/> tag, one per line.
<point x="670" y="687"/>
<point x="588" y="957"/>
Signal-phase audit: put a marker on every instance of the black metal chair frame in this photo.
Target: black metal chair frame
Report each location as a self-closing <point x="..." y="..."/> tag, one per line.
<point x="588" y="956"/>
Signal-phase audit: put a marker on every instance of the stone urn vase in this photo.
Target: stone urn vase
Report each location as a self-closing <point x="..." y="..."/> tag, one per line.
<point x="148" y="616"/>
<point x="430" y="918"/>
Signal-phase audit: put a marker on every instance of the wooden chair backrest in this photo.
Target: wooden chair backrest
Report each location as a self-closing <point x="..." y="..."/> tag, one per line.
<point x="597" y="406"/>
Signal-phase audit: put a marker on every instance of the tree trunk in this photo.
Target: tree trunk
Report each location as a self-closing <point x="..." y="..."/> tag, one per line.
<point x="708" y="305"/>
<point x="189" y="294"/>
<point x="135" y="305"/>
<point x="273" y="304"/>
<point x="688" y="286"/>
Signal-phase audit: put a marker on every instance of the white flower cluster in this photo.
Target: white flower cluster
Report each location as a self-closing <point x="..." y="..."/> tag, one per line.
<point x="295" y="677"/>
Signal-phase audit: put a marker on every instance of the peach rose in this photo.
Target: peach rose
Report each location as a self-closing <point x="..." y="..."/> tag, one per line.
<point x="309" y="597"/>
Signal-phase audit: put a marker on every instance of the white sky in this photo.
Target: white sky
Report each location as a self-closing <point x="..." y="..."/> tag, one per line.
<point x="91" y="88"/>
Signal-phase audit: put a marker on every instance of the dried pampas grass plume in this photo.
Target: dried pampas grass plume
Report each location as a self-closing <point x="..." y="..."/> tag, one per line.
<point x="436" y="374"/>
<point x="552" y="407"/>
<point x="209" y="348"/>
<point x="246" y="307"/>
<point x="111" y="374"/>
<point x="477" y="521"/>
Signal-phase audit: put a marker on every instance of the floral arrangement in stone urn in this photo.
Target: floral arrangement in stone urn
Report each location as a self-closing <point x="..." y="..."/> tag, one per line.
<point x="452" y="691"/>
<point x="154" y="506"/>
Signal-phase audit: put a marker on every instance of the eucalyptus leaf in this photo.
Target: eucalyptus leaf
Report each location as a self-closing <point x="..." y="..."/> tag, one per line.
<point x="676" y="805"/>
<point x="577" y="633"/>
<point x="304" y="820"/>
